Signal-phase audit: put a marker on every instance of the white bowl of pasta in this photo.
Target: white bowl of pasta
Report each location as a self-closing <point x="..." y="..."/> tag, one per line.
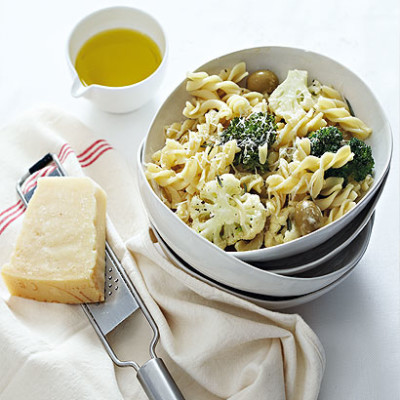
<point x="263" y="165"/>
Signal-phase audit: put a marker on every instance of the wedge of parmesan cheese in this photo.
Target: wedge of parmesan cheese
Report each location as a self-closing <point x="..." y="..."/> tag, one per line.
<point x="60" y="252"/>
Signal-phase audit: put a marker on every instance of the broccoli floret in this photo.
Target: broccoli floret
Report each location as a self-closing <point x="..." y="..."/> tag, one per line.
<point x="363" y="162"/>
<point x="326" y="139"/>
<point x="331" y="139"/>
<point x="252" y="134"/>
<point x="361" y="165"/>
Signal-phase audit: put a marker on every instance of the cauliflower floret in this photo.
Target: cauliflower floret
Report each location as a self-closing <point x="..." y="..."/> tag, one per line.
<point x="224" y="214"/>
<point x="292" y="98"/>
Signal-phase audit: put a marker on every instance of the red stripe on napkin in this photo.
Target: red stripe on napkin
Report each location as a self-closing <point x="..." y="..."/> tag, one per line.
<point x="14" y="215"/>
<point x="64" y="148"/>
<point x="91" y="154"/>
<point x="10" y="208"/>
<point x="91" y="147"/>
<point x="96" y="157"/>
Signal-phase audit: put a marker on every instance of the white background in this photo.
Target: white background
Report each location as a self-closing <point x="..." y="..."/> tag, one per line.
<point x="358" y="322"/>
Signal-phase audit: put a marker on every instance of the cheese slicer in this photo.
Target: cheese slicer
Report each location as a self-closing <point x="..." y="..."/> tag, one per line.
<point x="121" y="301"/>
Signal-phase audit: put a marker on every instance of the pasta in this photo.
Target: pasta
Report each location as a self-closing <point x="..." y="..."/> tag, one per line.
<point x="247" y="169"/>
<point x="307" y="123"/>
<point x="335" y="112"/>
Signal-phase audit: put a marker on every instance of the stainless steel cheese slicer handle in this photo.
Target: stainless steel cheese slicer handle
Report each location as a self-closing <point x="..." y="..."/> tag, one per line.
<point x="157" y="382"/>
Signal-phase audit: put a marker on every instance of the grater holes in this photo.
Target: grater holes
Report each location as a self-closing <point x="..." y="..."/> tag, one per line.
<point x="112" y="281"/>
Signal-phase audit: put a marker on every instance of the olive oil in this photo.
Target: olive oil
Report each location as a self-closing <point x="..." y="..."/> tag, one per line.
<point x="117" y="57"/>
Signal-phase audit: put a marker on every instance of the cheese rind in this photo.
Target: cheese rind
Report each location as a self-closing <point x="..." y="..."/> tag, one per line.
<point x="60" y="252"/>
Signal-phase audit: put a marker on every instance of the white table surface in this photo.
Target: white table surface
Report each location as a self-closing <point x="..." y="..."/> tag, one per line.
<point x="358" y="322"/>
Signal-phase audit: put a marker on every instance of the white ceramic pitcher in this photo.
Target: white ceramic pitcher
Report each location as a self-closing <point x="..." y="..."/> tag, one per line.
<point x="125" y="98"/>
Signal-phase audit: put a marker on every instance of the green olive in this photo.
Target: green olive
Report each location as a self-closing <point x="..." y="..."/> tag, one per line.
<point x="307" y="217"/>
<point x="263" y="81"/>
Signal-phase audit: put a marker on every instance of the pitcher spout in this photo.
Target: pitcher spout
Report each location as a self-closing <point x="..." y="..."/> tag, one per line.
<point x="78" y="89"/>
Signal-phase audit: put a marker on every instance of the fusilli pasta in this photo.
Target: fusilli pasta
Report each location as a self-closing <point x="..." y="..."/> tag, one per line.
<point x="286" y="176"/>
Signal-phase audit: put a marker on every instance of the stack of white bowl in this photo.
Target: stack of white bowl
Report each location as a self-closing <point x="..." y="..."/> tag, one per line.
<point x="303" y="269"/>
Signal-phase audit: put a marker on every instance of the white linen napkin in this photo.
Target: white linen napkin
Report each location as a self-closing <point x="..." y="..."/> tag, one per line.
<point x="215" y="345"/>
